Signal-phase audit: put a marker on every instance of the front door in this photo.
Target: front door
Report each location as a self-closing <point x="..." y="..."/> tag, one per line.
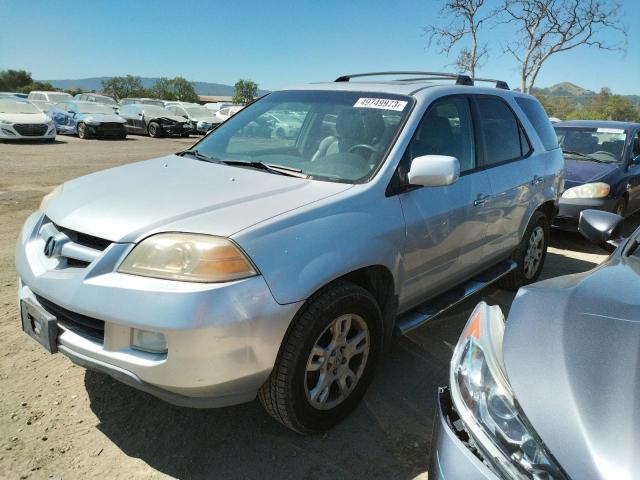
<point x="446" y="226"/>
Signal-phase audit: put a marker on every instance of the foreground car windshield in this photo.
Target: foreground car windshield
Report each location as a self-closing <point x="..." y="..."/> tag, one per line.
<point x="95" y="108"/>
<point x="602" y="144"/>
<point x="11" y="106"/>
<point x="339" y="136"/>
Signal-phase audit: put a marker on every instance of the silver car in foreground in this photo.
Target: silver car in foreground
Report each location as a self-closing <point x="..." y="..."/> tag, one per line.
<point x="554" y="393"/>
<point x="280" y="267"/>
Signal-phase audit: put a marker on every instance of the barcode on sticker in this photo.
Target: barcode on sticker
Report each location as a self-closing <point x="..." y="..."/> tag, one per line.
<point x="610" y="130"/>
<point x="382" y="103"/>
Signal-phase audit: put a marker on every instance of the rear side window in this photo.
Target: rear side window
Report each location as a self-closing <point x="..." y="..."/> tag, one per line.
<point x="501" y="134"/>
<point x="540" y="121"/>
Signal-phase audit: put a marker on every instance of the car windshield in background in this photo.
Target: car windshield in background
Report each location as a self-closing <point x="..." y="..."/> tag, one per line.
<point x="11" y="106"/>
<point x="597" y="144"/>
<point x="106" y="100"/>
<point x="338" y="136"/>
<point x="155" y="111"/>
<point x="199" y="112"/>
<point x="59" y="97"/>
<point x="95" y="108"/>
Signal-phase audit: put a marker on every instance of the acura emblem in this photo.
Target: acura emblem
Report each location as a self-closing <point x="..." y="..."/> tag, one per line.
<point x="50" y="246"/>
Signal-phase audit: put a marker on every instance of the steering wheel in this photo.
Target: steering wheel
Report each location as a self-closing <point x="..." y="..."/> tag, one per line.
<point x="363" y="146"/>
<point x="604" y="152"/>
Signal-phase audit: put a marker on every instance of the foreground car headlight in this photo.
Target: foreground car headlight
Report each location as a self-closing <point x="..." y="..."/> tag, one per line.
<point x="188" y="257"/>
<point x="483" y="398"/>
<point x="50" y="196"/>
<point x="588" y="190"/>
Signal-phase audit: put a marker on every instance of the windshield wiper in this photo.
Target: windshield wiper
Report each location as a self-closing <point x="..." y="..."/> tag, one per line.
<point x="583" y="155"/>
<point x="269" y="167"/>
<point x="198" y="155"/>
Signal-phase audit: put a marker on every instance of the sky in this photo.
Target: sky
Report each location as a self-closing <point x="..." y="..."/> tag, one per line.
<point x="274" y="43"/>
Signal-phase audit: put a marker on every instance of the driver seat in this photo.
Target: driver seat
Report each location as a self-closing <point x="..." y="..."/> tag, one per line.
<point x="352" y="127"/>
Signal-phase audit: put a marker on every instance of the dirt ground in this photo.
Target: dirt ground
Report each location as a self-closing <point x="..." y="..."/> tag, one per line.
<point x="59" y="421"/>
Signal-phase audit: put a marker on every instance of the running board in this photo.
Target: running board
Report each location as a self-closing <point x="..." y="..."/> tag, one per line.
<point x="434" y="308"/>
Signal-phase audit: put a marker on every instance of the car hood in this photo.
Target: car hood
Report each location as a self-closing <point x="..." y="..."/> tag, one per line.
<point x="175" y="118"/>
<point x="575" y="367"/>
<point x="25" y="117"/>
<point x="174" y="193"/>
<point x="102" y="118"/>
<point x="578" y="172"/>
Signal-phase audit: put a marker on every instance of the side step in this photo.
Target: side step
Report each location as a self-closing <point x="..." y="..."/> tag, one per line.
<point x="432" y="309"/>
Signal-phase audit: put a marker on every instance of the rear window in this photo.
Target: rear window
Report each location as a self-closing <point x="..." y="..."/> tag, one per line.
<point x="540" y="121"/>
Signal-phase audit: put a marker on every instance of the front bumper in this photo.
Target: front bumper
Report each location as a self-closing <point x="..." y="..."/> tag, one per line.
<point x="111" y="129"/>
<point x="222" y="339"/>
<point x="177" y="128"/>
<point x="29" y="132"/>
<point x="570" y="208"/>
<point x="450" y="457"/>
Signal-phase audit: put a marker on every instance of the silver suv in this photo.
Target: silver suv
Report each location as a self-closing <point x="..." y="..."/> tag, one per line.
<point x="276" y="266"/>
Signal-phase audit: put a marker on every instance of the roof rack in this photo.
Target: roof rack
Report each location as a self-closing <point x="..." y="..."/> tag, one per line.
<point x="460" y="79"/>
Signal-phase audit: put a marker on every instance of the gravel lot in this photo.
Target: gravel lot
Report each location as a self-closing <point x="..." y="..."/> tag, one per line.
<point x="59" y="421"/>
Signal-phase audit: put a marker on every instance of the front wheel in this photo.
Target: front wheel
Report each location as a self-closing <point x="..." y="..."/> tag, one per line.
<point x="326" y="360"/>
<point x="530" y="254"/>
<point x="155" y="130"/>
<point x="621" y="207"/>
<point x="82" y="131"/>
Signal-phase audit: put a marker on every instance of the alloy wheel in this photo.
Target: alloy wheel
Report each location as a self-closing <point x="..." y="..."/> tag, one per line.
<point x="535" y="251"/>
<point x="337" y="361"/>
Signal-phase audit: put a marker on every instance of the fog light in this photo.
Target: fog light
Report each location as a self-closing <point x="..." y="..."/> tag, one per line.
<point x="152" y="342"/>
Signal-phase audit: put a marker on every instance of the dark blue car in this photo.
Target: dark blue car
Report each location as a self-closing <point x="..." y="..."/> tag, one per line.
<point x="602" y="168"/>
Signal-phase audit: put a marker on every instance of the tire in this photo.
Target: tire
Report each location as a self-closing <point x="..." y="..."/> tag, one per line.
<point x="82" y="131"/>
<point x="295" y="394"/>
<point x="621" y="207"/>
<point x="280" y="133"/>
<point x="154" y="129"/>
<point x="529" y="270"/>
<point x="185" y="135"/>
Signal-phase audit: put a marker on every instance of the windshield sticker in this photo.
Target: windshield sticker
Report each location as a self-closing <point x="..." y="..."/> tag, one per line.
<point x="381" y="103"/>
<point x="610" y="130"/>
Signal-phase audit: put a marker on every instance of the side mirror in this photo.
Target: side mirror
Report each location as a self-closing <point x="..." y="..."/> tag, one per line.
<point x="600" y="227"/>
<point x="434" y="171"/>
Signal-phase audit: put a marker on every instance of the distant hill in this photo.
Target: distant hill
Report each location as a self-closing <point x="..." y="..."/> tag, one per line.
<point x="575" y="94"/>
<point x="95" y="83"/>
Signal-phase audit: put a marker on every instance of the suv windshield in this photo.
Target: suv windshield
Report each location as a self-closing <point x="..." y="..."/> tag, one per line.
<point x="59" y="97"/>
<point x="199" y="112"/>
<point x="155" y="111"/>
<point x="105" y="100"/>
<point x="598" y="144"/>
<point x="327" y="135"/>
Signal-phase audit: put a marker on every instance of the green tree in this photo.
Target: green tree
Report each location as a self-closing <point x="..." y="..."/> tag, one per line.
<point x="123" y="87"/>
<point x="245" y="91"/>
<point x="177" y="88"/>
<point x="11" y="80"/>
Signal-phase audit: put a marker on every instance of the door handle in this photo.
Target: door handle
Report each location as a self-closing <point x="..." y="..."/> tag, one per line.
<point x="536" y="180"/>
<point x="481" y="200"/>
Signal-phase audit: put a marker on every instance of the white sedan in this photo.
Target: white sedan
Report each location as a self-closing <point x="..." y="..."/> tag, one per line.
<point x="22" y="120"/>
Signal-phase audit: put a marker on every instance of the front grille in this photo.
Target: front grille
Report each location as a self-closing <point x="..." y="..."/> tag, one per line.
<point x="30" y="130"/>
<point x="85" y="239"/>
<point x="110" y="129"/>
<point x="76" y="322"/>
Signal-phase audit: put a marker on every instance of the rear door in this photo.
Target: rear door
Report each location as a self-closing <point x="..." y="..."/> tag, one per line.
<point x="446" y="226"/>
<point x="633" y="172"/>
<point x="515" y="174"/>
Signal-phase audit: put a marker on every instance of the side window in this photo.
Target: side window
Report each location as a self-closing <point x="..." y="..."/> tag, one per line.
<point x="501" y="134"/>
<point x="636" y="145"/>
<point x="540" y="121"/>
<point x="446" y="129"/>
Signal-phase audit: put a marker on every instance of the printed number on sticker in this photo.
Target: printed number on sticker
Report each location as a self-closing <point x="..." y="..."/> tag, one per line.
<point x="382" y="103"/>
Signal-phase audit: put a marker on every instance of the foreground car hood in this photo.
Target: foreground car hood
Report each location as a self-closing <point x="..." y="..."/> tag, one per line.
<point x="578" y="172"/>
<point x="574" y="368"/>
<point x="174" y="193"/>
<point x="102" y="118"/>
<point x="25" y="117"/>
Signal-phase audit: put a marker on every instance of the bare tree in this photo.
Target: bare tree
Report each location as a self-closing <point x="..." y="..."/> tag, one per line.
<point x="464" y="19"/>
<point x="547" y="27"/>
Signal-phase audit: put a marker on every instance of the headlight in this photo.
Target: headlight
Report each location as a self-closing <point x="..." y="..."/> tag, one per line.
<point x="50" y="196"/>
<point x="92" y="122"/>
<point x="588" y="190"/>
<point x="485" y="402"/>
<point x="188" y="257"/>
<point x="152" y="342"/>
